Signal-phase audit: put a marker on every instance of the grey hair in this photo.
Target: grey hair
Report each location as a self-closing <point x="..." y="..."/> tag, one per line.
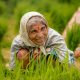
<point x="34" y="19"/>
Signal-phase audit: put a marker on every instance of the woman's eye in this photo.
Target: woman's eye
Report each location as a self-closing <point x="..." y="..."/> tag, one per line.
<point x="43" y="28"/>
<point x="33" y="31"/>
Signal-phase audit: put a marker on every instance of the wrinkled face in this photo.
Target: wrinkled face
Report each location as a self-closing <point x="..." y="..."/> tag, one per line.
<point x="37" y="30"/>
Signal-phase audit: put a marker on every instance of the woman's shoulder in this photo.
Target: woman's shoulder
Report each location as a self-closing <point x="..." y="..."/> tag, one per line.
<point x="17" y="40"/>
<point x="54" y="37"/>
<point x="53" y="33"/>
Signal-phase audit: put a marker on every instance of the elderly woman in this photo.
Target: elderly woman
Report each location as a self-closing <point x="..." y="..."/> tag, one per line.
<point x="36" y="37"/>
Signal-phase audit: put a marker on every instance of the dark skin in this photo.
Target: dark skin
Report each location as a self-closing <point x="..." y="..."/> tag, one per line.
<point x="37" y="32"/>
<point x="77" y="53"/>
<point x="23" y="55"/>
<point x="77" y="56"/>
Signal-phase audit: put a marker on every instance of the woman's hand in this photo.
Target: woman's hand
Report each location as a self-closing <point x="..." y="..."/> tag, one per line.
<point x="36" y="54"/>
<point x="23" y="55"/>
<point x="77" y="52"/>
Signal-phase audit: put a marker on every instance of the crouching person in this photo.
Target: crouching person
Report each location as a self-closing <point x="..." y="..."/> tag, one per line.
<point x="35" y="37"/>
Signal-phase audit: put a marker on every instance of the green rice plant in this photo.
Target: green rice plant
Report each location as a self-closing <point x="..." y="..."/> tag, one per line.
<point x="3" y="27"/>
<point x="1" y="57"/>
<point x="1" y="71"/>
<point x="73" y="37"/>
<point x="63" y="1"/>
<point x="54" y="15"/>
<point x="58" y="21"/>
<point x="60" y="15"/>
<point x="40" y="71"/>
<point x="2" y="7"/>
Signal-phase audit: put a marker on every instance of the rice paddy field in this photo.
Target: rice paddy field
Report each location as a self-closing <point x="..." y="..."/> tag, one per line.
<point x="57" y="13"/>
<point x="41" y="71"/>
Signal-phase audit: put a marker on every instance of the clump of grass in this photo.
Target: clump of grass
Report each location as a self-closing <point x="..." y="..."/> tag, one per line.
<point x="1" y="57"/>
<point x="41" y="71"/>
<point x="58" y="21"/>
<point x="3" y="27"/>
<point x="2" y="8"/>
<point x="73" y="37"/>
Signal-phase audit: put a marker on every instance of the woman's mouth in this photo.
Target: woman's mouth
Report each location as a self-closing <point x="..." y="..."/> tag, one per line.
<point x="40" y="42"/>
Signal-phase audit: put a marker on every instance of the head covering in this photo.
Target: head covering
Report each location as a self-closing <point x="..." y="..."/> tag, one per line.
<point x="23" y="30"/>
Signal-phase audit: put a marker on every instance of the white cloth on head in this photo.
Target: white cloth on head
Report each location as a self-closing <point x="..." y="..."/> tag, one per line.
<point x="23" y="30"/>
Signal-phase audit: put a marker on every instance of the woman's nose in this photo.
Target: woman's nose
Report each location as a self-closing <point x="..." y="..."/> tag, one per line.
<point x="39" y="34"/>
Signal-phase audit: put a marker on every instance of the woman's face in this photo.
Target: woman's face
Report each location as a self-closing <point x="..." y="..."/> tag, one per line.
<point x="37" y="31"/>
